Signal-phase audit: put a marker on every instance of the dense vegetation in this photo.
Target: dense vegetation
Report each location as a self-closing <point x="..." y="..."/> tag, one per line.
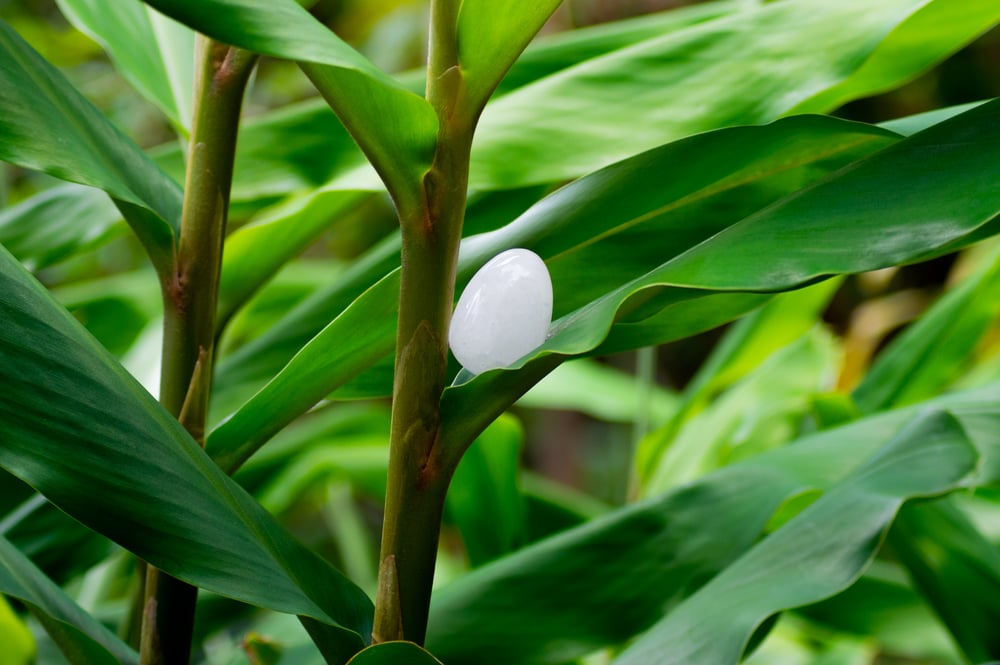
<point x="789" y="475"/>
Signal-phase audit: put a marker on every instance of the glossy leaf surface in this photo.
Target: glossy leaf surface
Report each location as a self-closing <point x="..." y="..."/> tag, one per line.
<point x="491" y="34"/>
<point x="582" y="583"/>
<point x="642" y="211"/>
<point x="793" y="566"/>
<point x="587" y="116"/>
<point x="155" y="54"/>
<point x="400" y="145"/>
<point x="45" y="124"/>
<point x="134" y="474"/>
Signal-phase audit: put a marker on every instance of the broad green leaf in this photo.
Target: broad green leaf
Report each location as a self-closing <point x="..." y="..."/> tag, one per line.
<point x="932" y="33"/>
<point x="55" y="224"/>
<point x="794" y="567"/>
<point x="400" y="144"/>
<point x="933" y="351"/>
<point x="893" y="207"/>
<point x="911" y="124"/>
<point x="553" y="53"/>
<point x="153" y="53"/>
<point x="551" y="507"/>
<point x="883" y="605"/>
<point x="956" y="569"/>
<point x="491" y="35"/>
<point x="186" y="516"/>
<point x="483" y="498"/>
<point x="609" y="579"/>
<point x="46" y="125"/>
<point x="642" y="212"/>
<point x="394" y="653"/>
<point x="687" y="81"/>
<point x="81" y="638"/>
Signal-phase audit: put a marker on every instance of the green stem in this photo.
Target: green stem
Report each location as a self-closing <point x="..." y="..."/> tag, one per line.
<point x="431" y="233"/>
<point x="189" y="309"/>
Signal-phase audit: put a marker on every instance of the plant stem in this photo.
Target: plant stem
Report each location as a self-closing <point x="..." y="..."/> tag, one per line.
<point x="189" y="309"/>
<point x="431" y="233"/>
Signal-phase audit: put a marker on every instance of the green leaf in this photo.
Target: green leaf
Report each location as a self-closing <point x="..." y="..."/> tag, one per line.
<point x="929" y="35"/>
<point x="883" y="605"/>
<point x="153" y="53"/>
<point x="911" y="124"/>
<point x="15" y="636"/>
<point x="53" y="225"/>
<point x="491" y="34"/>
<point x="394" y="653"/>
<point x="642" y="211"/>
<point x="893" y="207"/>
<point x="80" y="637"/>
<point x="748" y="343"/>
<point x="248" y="368"/>
<point x="483" y="498"/>
<point x="553" y="53"/>
<point x="760" y="412"/>
<point x="400" y="144"/>
<point x="937" y="348"/>
<point x="598" y="391"/>
<point x="607" y="580"/>
<point x="134" y="474"/>
<point x="794" y="567"/>
<point x="46" y="125"/>
<point x="687" y="81"/>
<point x="258" y="250"/>
<point x="352" y="342"/>
<point x="956" y="569"/>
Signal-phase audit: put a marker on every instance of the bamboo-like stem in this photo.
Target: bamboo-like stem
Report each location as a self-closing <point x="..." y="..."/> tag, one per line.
<point x="189" y="309"/>
<point x="431" y="233"/>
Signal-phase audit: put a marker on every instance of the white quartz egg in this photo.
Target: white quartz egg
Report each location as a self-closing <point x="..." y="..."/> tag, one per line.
<point x="504" y="312"/>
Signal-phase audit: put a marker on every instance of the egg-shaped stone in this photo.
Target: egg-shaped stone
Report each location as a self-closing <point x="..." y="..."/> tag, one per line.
<point x="504" y="312"/>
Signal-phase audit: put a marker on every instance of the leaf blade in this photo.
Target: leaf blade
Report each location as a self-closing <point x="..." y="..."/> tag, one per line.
<point x="136" y="476"/>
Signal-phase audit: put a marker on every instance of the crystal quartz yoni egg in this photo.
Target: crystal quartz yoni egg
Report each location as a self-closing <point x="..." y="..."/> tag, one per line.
<point x="504" y="312"/>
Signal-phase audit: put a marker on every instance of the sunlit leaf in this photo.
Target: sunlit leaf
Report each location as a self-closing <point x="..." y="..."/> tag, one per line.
<point x="155" y="54"/>
<point x="491" y="34"/>
<point x="686" y="81"/>
<point x="400" y="145"/>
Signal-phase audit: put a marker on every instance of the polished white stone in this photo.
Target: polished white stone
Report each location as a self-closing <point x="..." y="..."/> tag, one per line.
<point x="504" y="312"/>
